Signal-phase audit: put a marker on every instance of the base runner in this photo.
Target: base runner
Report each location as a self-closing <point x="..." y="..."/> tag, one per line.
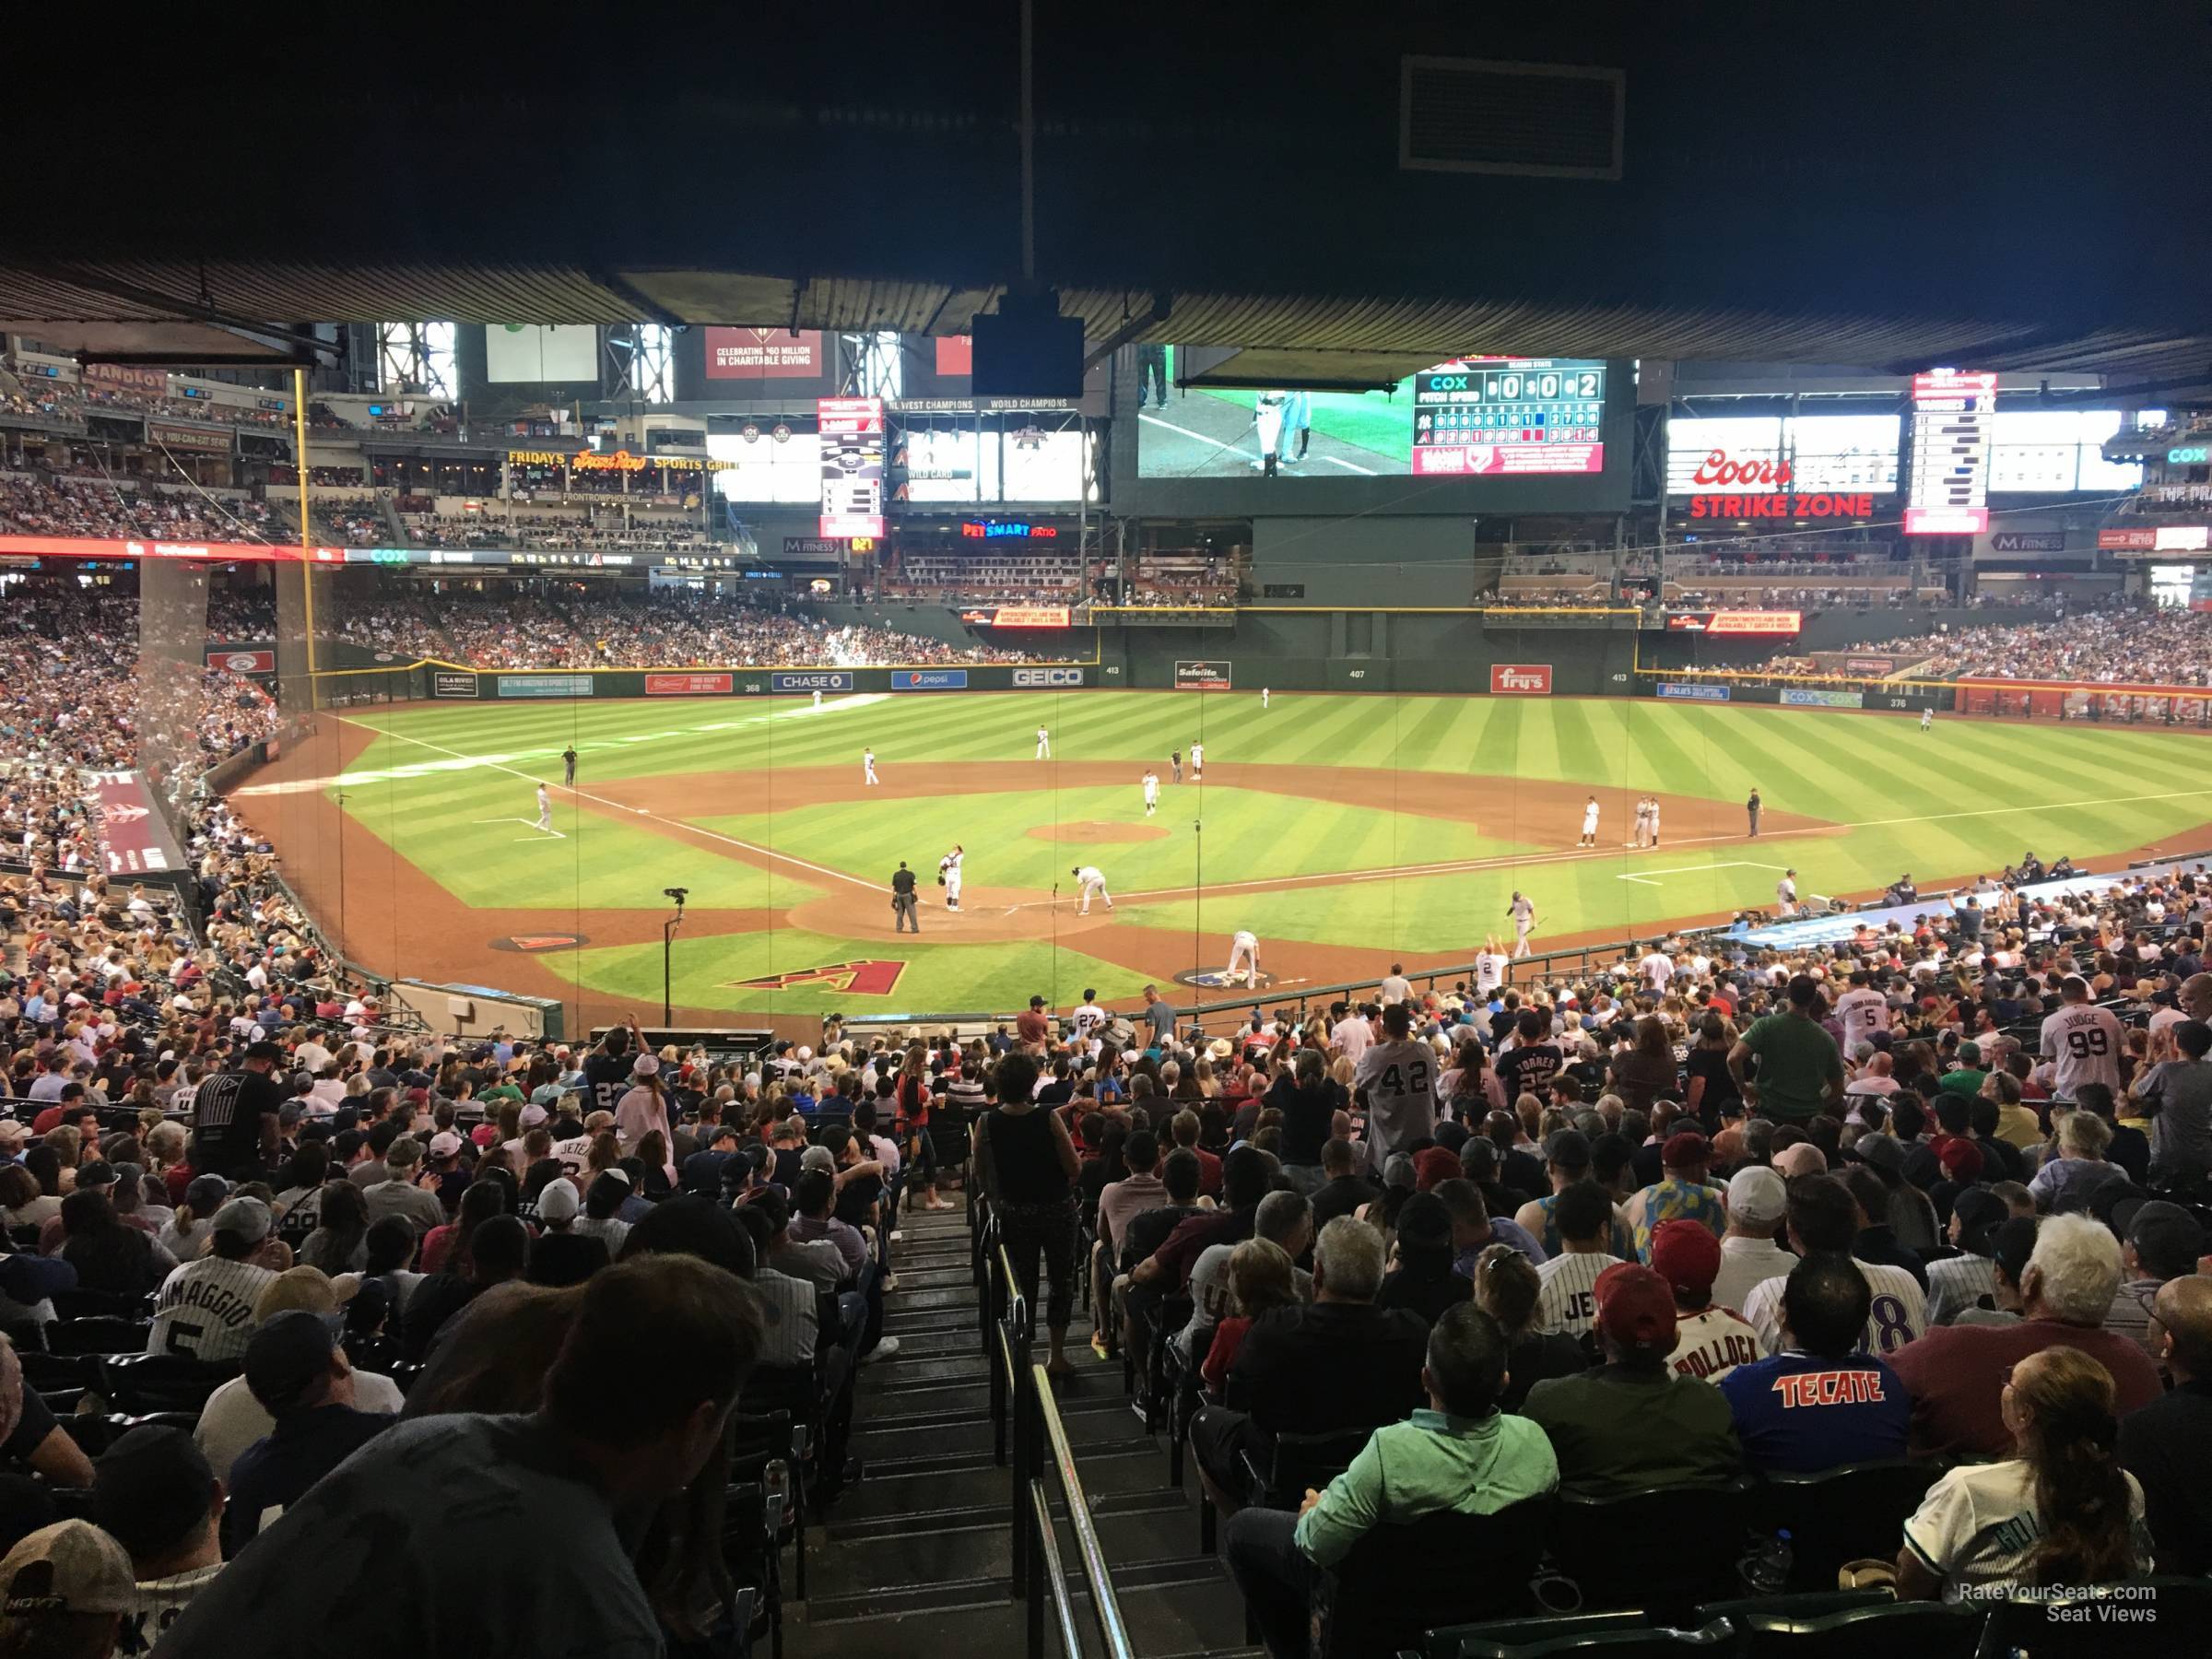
<point x="1244" y="949"/>
<point x="1524" y="914"/>
<point x="1093" y="884"/>
<point x="1151" y="792"/>
<point x="1589" y="823"/>
<point x="545" y="807"/>
<point x="867" y="768"/>
<point x="948" y="875"/>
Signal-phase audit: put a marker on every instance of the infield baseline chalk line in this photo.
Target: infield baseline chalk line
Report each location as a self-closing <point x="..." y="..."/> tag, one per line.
<point x="1447" y="868"/>
<point x="1645" y="877"/>
<point x="601" y="800"/>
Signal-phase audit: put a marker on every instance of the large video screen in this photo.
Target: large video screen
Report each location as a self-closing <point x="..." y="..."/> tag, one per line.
<point x="1470" y="418"/>
<point x="528" y="351"/>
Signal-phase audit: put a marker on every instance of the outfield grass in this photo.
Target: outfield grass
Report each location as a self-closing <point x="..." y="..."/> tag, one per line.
<point x="1969" y="797"/>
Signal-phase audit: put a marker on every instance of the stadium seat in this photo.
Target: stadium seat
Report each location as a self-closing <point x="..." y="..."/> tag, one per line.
<point x="1389" y="1591"/>
<point x="1923" y="1629"/>
<point x="48" y="1372"/>
<point x="373" y="1353"/>
<point x="757" y="1439"/>
<point x="2060" y="1629"/>
<point x="142" y="1384"/>
<point x="750" y="1556"/>
<point x="1649" y="1642"/>
<point x="94" y="1431"/>
<point x="1812" y="1603"/>
<point x="1511" y="1633"/>
<point x="98" y="1333"/>
<point x="1664" y="1549"/>
<point x="1847" y="1513"/>
<point x="89" y="1304"/>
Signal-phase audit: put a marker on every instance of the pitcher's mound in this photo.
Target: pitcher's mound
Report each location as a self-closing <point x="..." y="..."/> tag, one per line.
<point x="1097" y="832"/>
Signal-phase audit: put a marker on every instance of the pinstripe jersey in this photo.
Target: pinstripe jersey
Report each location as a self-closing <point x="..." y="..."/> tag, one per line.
<point x="205" y="1309"/>
<point x="1567" y="1296"/>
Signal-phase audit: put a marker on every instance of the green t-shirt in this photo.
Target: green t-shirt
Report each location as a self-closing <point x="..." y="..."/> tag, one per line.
<point x="1797" y="1058"/>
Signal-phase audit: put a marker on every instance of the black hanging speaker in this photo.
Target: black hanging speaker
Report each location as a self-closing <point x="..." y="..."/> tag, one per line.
<point x="1026" y="349"/>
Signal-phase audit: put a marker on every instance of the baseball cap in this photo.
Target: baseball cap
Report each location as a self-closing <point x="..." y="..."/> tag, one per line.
<point x="444" y="1143"/>
<point x="644" y="1065"/>
<point x="305" y="1290"/>
<point x="533" y="1116"/>
<point x="2012" y="1243"/>
<point x="818" y="1157"/>
<point x="1688" y="1148"/>
<point x="97" y="1173"/>
<point x="1687" y="1255"/>
<point x="1636" y="1308"/>
<point x="71" y="1567"/>
<point x="151" y="1489"/>
<point x="248" y="1217"/>
<point x="1979" y="1213"/>
<point x="1958" y="1157"/>
<point x="204" y="1195"/>
<point x="560" y="1201"/>
<point x="289" y="1356"/>
<point x="264" y="1050"/>
<point x="2163" y="1232"/>
<point x="1801" y="1159"/>
<point x="1756" y="1196"/>
<point x="1883" y="1151"/>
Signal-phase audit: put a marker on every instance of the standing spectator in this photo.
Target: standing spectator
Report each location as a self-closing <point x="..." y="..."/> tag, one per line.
<point x="1027" y="1163"/>
<point x="1632" y="1422"/>
<point x="1800" y="1068"/>
<point x="2176" y="1095"/>
<point x="1819" y="1401"/>
<point x="2060" y="1511"/>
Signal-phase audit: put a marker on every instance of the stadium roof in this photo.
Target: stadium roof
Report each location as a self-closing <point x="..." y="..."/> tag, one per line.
<point x="1906" y="186"/>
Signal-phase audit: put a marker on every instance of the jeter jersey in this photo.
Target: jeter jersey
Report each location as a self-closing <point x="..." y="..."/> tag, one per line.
<point x="1567" y="1292"/>
<point x="2082" y="1042"/>
<point x="205" y="1309"/>
<point x="1400" y="1080"/>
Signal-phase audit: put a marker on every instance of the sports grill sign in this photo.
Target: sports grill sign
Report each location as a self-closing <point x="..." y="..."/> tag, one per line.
<point x="244" y="662"/>
<point x="1202" y="677"/>
<point x="1521" y="679"/>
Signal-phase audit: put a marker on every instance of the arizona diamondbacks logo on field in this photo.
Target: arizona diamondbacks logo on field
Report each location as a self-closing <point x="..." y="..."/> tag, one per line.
<point x="855" y="979"/>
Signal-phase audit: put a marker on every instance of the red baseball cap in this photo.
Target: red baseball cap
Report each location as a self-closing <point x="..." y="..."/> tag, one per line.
<point x="1636" y="1309"/>
<point x="1688" y="1148"/>
<point x="1687" y="1255"/>
<point x="1433" y="1165"/>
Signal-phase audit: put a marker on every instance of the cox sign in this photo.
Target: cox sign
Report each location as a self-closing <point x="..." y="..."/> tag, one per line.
<point x="2195" y="455"/>
<point x="1521" y="679"/>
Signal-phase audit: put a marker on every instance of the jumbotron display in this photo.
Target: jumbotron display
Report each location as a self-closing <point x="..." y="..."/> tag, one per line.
<point x="1478" y="416"/>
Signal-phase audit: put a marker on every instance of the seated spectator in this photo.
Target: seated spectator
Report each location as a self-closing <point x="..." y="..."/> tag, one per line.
<point x="1959" y="1282"/>
<point x="2163" y="1242"/>
<point x="1956" y="1373"/>
<point x="301" y="1376"/>
<point x="155" y="1495"/>
<point x="2077" y="1160"/>
<point x="561" y="1256"/>
<point x="65" y="1591"/>
<point x="1284" y="1220"/>
<point x="30" y="1436"/>
<point x="205" y="1308"/>
<point x="1757" y="1202"/>
<point x="464" y="1508"/>
<point x="2168" y="1444"/>
<point x="1421" y="1278"/>
<point x="498" y="1250"/>
<point x="1261" y="1279"/>
<point x="1710" y="1340"/>
<point x="1567" y="1160"/>
<point x="1462" y="1455"/>
<point x="2010" y="1245"/>
<point x="1908" y="1214"/>
<point x="1337" y="1363"/>
<point x="1583" y="1219"/>
<point x="1475" y="1227"/>
<point x="399" y="1193"/>
<point x="1506" y="1289"/>
<point x="1633" y="1422"/>
<point x="1875" y="1241"/>
<point x="1681" y="1193"/>
<point x="2059" y="1512"/>
<point x="1823" y="1215"/>
<point x="108" y="1256"/>
<point x="1819" y="1401"/>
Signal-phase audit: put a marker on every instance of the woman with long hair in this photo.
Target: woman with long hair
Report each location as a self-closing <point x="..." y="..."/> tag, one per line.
<point x="2060" y="1512"/>
<point x="390" y="1249"/>
<point x="913" y="1095"/>
<point x="1261" y="1277"/>
<point x="108" y="1256"/>
<point x="659" y="1174"/>
<point x="1505" y="1288"/>
<point x="340" y="1241"/>
<point x="479" y="1202"/>
<point x="1646" y="1070"/>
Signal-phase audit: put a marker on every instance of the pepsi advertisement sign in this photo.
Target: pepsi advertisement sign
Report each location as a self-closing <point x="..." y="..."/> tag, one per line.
<point x="929" y="679"/>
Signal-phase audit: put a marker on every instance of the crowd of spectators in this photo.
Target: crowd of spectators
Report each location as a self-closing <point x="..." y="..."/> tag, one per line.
<point x="51" y="504"/>
<point x="66" y="400"/>
<point x="2121" y="643"/>
<point x="554" y="532"/>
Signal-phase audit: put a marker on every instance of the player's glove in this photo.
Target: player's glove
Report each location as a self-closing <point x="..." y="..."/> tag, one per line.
<point x="940" y="881"/>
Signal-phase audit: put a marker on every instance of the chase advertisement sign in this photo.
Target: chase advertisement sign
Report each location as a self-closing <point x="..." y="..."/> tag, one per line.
<point x="837" y="679"/>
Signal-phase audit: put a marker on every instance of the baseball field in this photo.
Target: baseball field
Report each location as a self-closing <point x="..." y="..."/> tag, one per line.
<point x="1347" y="832"/>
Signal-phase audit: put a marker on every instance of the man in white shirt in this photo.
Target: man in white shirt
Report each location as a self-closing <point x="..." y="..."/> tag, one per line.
<point x="1089" y="1018"/>
<point x="2081" y="1041"/>
<point x="1567" y="1283"/>
<point x="1352" y="1035"/>
<point x="1875" y="1079"/>
<point x="1757" y="1203"/>
<point x="1197" y="760"/>
<point x="1711" y="1339"/>
<point x="1490" y="964"/>
<point x="1862" y="1011"/>
<point x="1824" y="1216"/>
<point x="1092" y="881"/>
<point x="1396" y="987"/>
<point x="1524" y="914"/>
<point x="1657" y="968"/>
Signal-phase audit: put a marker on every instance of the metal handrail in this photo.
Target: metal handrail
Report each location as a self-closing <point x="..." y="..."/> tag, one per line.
<point x="1103" y="1601"/>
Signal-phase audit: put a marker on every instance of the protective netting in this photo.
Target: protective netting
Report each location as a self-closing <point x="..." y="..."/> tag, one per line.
<point x="172" y="682"/>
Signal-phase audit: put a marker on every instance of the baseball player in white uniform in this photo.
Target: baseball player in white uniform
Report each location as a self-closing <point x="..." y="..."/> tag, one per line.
<point x="949" y="872"/>
<point x="1197" y="760"/>
<point x="1785" y="894"/>
<point x="1044" y="744"/>
<point x="1928" y="718"/>
<point x="1151" y="792"/>
<point x="817" y="697"/>
<point x="1092" y="881"/>
<point x="1524" y="914"/>
<point x="1244" y="950"/>
<point x="867" y="768"/>
<point x="1652" y="821"/>
<point x="1589" y="823"/>
<point x="545" y="807"/>
<point x="1262" y="697"/>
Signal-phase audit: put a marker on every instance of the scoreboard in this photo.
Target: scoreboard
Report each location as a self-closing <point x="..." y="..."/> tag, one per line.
<point x="1497" y="417"/>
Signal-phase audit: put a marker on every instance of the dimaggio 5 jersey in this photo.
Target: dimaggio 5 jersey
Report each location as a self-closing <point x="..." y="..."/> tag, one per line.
<point x="2082" y="1042"/>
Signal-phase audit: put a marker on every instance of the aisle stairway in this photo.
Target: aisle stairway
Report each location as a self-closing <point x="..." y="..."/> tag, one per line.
<point x="916" y="1558"/>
